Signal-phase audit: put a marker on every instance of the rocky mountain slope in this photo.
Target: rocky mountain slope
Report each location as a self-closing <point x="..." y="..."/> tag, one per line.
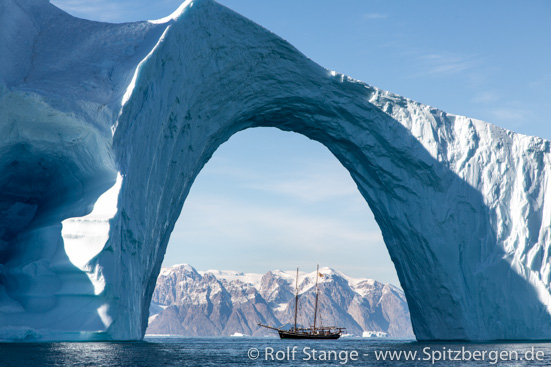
<point x="192" y="303"/>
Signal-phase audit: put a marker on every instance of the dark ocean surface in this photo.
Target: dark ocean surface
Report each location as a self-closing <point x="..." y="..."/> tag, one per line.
<point x="244" y="351"/>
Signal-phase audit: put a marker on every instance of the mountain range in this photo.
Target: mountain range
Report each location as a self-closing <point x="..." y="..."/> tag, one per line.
<point x="188" y="302"/>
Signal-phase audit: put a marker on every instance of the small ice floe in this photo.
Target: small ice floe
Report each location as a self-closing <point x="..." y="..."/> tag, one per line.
<point x="238" y="334"/>
<point x="374" y="334"/>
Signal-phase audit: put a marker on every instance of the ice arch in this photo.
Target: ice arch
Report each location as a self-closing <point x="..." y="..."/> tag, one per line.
<point x="461" y="203"/>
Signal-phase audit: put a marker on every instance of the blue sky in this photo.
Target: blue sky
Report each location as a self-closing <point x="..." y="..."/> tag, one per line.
<point x="285" y="200"/>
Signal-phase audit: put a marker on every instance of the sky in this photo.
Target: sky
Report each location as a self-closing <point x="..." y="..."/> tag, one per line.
<point x="286" y="201"/>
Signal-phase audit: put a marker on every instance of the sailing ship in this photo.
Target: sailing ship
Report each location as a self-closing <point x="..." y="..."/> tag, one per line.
<point x="314" y="332"/>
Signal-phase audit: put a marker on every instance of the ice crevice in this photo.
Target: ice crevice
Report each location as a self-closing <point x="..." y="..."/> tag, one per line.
<point x="104" y="127"/>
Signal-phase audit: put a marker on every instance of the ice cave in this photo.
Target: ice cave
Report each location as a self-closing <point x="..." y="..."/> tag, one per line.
<point x="104" y="127"/>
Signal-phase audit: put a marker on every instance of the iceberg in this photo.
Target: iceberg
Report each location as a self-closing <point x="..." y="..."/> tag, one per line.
<point x="104" y="127"/>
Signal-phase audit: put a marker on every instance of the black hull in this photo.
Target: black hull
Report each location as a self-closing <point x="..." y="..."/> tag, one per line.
<point x="290" y="335"/>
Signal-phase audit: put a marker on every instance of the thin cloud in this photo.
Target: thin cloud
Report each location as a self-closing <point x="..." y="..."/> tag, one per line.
<point x="215" y="231"/>
<point x="542" y="81"/>
<point x="375" y="16"/>
<point x="94" y="10"/>
<point x="308" y="180"/>
<point x="243" y="223"/>
<point x="485" y="97"/>
<point x="119" y="11"/>
<point x="441" y="64"/>
<point x="515" y="115"/>
<point x="315" y="187"/>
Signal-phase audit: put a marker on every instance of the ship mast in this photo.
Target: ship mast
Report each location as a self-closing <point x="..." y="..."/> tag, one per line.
<point x="296" y="301"/>
<point x="316" y="307"/>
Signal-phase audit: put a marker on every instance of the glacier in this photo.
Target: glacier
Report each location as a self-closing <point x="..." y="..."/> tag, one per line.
<point x="104" y="127"/>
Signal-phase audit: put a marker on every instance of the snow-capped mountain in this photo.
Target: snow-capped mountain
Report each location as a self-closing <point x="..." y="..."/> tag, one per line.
<point x="214" y="302"/>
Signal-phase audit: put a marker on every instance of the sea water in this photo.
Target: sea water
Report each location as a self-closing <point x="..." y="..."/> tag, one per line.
<point x="244" y="351"/>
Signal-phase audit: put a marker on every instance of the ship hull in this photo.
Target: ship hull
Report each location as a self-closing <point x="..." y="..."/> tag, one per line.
<point x="290" y="335"/>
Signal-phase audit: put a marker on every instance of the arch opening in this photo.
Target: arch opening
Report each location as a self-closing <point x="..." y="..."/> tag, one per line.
<point x="268" y="200"/>
<point x="264" y="181"/>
